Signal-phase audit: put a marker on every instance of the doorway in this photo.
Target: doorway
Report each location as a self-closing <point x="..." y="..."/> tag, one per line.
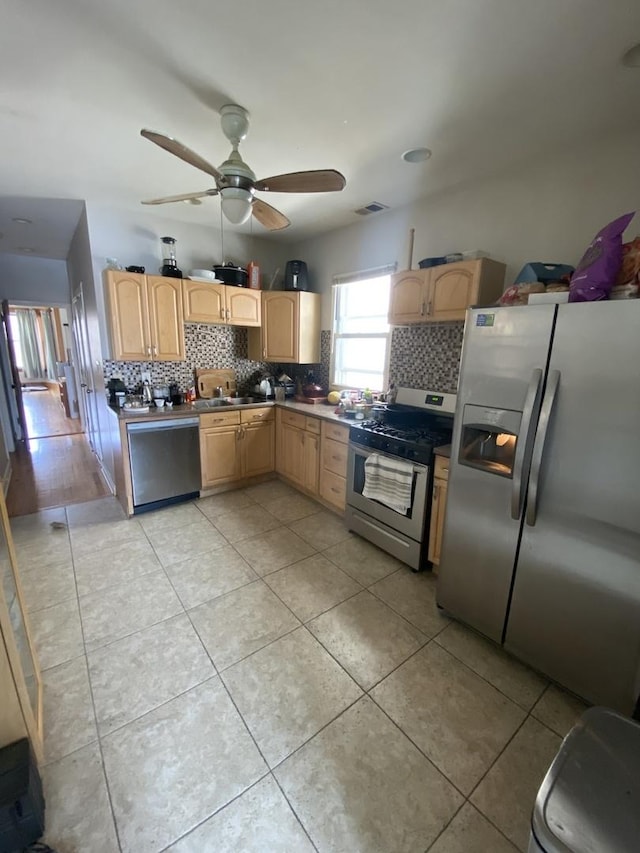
<point x="41" y="342"/>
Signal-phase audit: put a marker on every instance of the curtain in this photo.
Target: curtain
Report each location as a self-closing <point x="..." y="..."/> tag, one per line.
<point x="28" y="331"/>
<point x="49" y="345"/>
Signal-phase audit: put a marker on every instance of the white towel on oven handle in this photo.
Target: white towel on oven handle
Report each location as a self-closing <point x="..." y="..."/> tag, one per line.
<point x="388" y="481"/>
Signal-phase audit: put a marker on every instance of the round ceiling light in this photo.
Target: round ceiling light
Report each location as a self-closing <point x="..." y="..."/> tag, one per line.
<point x="632" y="57"/>
<point x="21" y="220"/>
<point x="416" y="155"/>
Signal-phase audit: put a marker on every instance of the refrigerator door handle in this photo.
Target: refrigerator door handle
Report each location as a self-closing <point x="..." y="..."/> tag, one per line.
<point x="528" y="412"/>
<point x="538" y="447"/>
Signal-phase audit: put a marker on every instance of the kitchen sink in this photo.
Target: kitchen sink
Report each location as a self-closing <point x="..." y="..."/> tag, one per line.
<point x="216" y="402"/>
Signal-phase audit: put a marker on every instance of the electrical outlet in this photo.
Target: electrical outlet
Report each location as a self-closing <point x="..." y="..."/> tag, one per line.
<point x="145" y="376"/>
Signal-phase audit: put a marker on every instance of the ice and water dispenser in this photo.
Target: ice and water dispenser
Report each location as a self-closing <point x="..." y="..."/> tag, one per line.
<point x="488" y="439"/>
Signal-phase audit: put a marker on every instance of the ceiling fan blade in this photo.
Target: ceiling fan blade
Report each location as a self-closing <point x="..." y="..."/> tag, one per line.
<point x="181" y="151"/>
<point x="319" y="181"/>
<point x="269" y="216"/>
<point x="184" y="197"/>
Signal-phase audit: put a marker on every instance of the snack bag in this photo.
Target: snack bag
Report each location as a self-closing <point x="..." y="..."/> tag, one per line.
<point x="596" y="273"/>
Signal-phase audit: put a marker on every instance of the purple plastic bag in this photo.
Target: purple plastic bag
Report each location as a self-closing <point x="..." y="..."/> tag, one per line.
<point x="597" y="271"/>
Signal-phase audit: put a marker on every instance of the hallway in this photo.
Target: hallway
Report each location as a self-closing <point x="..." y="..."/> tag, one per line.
<point x="54" y="471"/>
<point x="45" y="416"/>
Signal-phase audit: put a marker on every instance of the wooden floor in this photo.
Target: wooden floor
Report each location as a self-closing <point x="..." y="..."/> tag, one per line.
<point x="45" y="416"/>
<point x="54" y="471"/>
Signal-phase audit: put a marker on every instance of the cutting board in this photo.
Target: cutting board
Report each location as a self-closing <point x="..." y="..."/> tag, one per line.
<point x="208" y="380"/>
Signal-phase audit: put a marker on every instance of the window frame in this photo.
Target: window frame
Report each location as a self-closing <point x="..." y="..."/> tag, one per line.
<point x="354" y="278"/>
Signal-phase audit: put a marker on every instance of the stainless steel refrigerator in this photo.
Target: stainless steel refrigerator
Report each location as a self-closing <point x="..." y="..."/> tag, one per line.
<point x="541" y="547"/>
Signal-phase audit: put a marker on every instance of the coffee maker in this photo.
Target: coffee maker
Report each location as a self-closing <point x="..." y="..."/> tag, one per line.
<point x="295" y="276"/>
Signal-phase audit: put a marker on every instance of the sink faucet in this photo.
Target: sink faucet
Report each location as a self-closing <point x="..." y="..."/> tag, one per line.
<point x="219" y="391"/>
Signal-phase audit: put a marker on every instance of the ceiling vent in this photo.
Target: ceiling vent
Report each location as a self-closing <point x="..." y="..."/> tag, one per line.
<point x="374" y="207"/>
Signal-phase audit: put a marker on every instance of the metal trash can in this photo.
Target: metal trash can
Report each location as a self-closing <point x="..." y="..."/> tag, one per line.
<point x="589" y="801"/>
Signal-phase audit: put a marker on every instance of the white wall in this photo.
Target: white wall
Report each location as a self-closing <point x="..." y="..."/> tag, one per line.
<point x="134" y="238"/>
<point x="547" y="210"/>
<point x="41" y="281"/>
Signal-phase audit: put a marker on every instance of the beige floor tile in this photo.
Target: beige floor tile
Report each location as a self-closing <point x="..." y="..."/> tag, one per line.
<point x="103" y="567"/>
<point x="78" y="813"/>
<point x="127" y="608"/>
<point x="360" y="785"/>
<point x="507" y="793"/>
<point x="264" y="493"/>
<point x="322" y="530"/>
<point x="57" y="634"/>
<point x="25" y="527"/>
<point x="241" y="622"/>
<point x="251" y="521"/>
<point x="69" y="721"/>
<point x="288" y="691"/>
<point x="90" y="512"/>
<point x="366" y="637"/>
<point x="174" y="767"/>
<point x="274" y="550"/>
<point x="470" y="832"/>
<point x="218" y="505"/>
<point x="292" y="507"/>
<point x="43" y="550"/>
<point x="413" y="595"/>
<point x="259" y="821"/>
<point x="559" y="710"/>
<point x="48" y="585"/>
<point x="138" y="673"/>
<point x="458" y="720"/>
<point x="362" y="560"/>
<point x="186" y="542"/>
<point x="512" y="678"/>
<point x="312" y="586"/>
<point x="170" y="518"/>
<point x="86" y="538"/>
<point x="209" y="575"/>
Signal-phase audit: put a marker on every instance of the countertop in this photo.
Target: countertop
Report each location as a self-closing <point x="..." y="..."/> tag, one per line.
<point x="188" y="410"/>
<point x="443" y="450"/>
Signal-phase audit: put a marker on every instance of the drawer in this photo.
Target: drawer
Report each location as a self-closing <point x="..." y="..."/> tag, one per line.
<point x="216" y="419"/>
<point x="333" y="488"/>
<point x="441" y="467"/>
<point x="293" y="419"/>
<point x="312" y="425"/>
<point x="336" y="432"/>
<point x="251" y="416"/>
<point x="334" y="456"/>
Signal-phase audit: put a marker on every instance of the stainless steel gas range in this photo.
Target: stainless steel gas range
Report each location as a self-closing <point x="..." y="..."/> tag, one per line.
<point x="408" y="430"/>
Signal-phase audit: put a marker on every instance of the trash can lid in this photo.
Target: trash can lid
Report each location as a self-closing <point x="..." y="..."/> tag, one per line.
<point x="589" y="801"/>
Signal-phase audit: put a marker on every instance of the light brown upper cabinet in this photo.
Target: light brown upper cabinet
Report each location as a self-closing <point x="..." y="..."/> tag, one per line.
<point x="221" y="303"/>
<point x="290" y="330"/>
<point x="444" y="293"/>
<point x="145" y="317"/>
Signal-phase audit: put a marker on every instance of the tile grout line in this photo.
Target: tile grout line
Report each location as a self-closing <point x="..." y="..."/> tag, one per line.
<point x="93" y="703"/>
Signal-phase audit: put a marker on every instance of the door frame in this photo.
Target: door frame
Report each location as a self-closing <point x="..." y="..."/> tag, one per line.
<point x="20" y="434"/>
<point x="86" y="387"/>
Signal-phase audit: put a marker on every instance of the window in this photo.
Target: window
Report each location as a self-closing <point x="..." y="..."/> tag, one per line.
<point x="360" y="344"/>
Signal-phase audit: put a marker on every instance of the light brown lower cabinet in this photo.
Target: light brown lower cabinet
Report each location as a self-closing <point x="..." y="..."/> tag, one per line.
<point x="236" y="445"/>
<point x="298" y="449"/>
<point x="438" y="508"/>
<point x="333" y="464"/>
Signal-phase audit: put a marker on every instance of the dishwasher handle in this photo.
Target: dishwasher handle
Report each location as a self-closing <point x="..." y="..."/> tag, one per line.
<point x="157" y="426"/>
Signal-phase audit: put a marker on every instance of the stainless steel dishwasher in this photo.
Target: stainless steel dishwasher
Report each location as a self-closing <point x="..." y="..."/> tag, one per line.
<point x="165" y="461"/>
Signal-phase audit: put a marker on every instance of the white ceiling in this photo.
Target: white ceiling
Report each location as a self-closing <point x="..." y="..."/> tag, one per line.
<point x="345" y="84"/>
<point x="52" y="224"/>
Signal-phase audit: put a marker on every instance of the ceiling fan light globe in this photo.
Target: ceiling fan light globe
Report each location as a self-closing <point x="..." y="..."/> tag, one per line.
<point x="236" y="204"/>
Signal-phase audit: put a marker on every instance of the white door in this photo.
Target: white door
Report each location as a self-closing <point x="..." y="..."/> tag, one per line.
<point x="86" y="393"/>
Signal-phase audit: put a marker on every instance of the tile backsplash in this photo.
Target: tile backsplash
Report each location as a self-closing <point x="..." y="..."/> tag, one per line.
<point x="426" y="356"/>
<point x="421" y="357"/>
<point x="214" y="346"/>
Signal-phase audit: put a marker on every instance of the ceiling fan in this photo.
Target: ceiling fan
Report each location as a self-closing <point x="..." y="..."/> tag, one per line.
<point x="236" y="183"/>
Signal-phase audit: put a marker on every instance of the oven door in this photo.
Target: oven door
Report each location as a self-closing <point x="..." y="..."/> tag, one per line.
<point x="413" y="523"/>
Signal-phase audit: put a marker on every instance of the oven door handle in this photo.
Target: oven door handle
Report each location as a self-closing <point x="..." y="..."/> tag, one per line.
<point x="358" y="450"/>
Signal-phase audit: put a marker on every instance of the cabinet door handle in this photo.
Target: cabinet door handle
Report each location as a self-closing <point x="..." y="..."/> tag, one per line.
<point x="148" y="350"/>
<point x="422" y="309"/>
<point x="445" y="470"/>
<point x="222" y="313"/>
<point x="227" y="312"/>
<point x="264" y="352"/>
<point x="429" y="307"/>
